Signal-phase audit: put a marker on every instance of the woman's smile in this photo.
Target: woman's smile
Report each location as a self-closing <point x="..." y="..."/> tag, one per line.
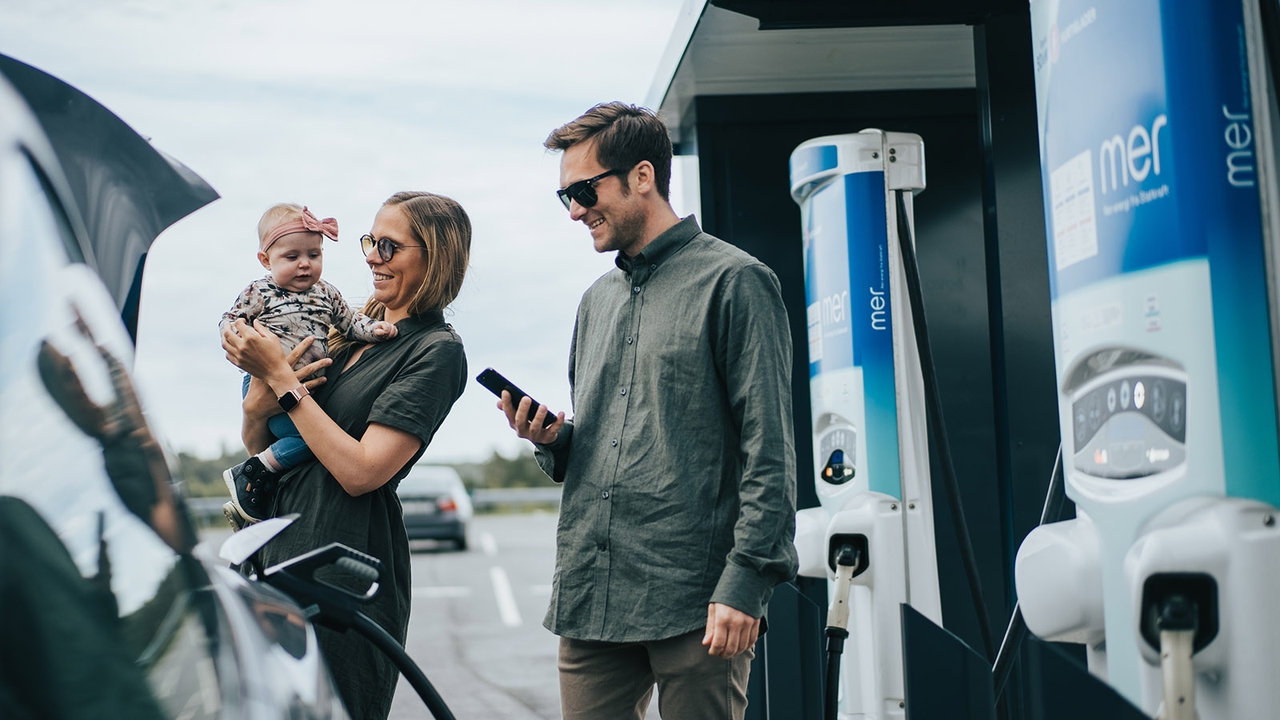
<point x="396" y="280"/>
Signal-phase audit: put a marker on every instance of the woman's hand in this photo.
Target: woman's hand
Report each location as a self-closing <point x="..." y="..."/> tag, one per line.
<point x="261" y="401"/>
<point x="257" y="350"/>
<point x="359" y="466"/>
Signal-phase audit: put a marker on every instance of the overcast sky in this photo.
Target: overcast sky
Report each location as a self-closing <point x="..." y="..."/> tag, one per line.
<point x="336" y="105"/>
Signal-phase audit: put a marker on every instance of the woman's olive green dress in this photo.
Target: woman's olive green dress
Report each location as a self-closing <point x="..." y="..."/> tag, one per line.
<point x="408" y="383"/>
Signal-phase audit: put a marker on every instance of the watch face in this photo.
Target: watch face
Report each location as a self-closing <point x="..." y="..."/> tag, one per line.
<point x="289" y="400"/>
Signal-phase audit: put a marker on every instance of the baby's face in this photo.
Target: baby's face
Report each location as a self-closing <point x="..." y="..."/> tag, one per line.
<point x="295" y="260"/>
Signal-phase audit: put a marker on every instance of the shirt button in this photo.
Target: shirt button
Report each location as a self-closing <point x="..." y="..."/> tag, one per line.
<point x="624" y="391"/>
<point x="614" y="442"/>
<point x="630" y="340"/>
<point x="635" y="289"/>
<point x="605" y="495"/>
<point x="602" y="547"/>
<point x="653" y="267"/>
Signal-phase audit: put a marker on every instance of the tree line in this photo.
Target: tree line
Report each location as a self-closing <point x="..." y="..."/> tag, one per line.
<point x="202" y="477"/>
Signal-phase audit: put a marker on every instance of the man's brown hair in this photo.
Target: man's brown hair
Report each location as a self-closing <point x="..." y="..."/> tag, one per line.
<point x="624" y="135"/>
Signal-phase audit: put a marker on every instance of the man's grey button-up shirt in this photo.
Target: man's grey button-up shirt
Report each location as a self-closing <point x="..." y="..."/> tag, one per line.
<point x="678" y="464"/>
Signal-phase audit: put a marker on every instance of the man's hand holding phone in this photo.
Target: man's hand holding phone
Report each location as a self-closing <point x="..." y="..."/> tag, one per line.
<point x="528" y="420"/>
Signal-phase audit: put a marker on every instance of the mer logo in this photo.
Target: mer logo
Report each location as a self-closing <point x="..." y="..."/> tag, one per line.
<point x="877" y="310"/>
<point x="1239" y="138"/>
<point x="1135" y="158"/>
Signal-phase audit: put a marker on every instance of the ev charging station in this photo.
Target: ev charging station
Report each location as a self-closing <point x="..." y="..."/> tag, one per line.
<point x="872" y="535"/>
<point x="1150" y="138"/>
<point x="1131" y="139"/>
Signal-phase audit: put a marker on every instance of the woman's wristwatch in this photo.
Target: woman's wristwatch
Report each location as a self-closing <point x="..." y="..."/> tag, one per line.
<point x="290" y="400"/>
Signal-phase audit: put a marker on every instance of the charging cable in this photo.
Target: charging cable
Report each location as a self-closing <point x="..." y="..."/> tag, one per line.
<point x="1054" y="499"/>
<point x="933" y="402"/>
<point x="848" y="562"/>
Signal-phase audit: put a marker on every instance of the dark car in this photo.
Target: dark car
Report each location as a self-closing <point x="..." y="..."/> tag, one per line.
<point x="108" y="608"/>
<point x="436" y="505"/>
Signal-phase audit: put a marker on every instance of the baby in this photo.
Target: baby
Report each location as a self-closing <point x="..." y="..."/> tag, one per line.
<point x="294" y="303"/>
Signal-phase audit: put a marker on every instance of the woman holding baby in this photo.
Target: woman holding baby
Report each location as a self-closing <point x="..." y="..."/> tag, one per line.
<point x="368" y="417"/>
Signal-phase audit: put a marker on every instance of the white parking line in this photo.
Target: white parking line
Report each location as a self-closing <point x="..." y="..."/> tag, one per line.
<point x="442" y="591"/>
<point x="507" y="609"/>
<point x="489" y="545"/>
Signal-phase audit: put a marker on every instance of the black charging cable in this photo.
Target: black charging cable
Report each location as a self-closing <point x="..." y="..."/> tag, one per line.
<point x="1014" y="634"/>
<point x="338" y="608"/>
<point x="907" y="242"/>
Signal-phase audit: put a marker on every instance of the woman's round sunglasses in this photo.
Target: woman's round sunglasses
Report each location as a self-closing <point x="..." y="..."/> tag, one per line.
<point x="583" y="192"/>
<point x="386" y="247"/>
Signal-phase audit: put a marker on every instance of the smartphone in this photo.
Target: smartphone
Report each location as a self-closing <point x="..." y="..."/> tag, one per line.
<point x="493" y="380"/>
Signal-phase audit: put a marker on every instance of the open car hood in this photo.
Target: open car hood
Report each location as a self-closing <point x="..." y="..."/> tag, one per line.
<point x="126" y="191"/>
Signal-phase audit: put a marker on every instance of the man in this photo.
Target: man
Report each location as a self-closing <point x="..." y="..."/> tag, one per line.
<point x="679" y="466"/>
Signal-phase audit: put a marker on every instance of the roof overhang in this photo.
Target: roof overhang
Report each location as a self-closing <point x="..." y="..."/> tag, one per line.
<point x="714" y="51"/>
<point x="774" y="14"/>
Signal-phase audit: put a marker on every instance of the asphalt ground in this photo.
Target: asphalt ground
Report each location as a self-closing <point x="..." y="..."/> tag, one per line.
<point x="476" y="625"/>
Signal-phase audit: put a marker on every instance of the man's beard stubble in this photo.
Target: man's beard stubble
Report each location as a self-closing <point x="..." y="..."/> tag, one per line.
<point x="627" y="230"/>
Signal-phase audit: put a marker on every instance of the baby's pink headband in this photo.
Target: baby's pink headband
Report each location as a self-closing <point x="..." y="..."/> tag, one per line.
<point x="307" y="223"/>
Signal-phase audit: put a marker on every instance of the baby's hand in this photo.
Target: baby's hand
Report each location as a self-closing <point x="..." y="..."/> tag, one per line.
<point x="384" y="329"/>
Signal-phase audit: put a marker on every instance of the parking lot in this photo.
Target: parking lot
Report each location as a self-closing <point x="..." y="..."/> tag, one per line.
<point x="476" y="628"/>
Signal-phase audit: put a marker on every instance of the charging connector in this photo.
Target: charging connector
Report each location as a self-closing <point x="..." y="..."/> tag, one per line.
<point x="1179" y="620"/>
<point x="848" y="562"/>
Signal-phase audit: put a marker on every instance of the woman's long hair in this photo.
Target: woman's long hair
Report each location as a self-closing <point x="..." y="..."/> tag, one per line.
<point x="443" y="228"/>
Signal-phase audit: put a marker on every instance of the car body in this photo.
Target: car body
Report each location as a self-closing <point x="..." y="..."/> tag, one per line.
<point x="108" y="606"/>
<point x="436" y="504"/>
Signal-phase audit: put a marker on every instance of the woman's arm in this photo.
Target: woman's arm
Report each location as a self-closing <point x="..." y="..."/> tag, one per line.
<point x="253" y="428"/>
<point x="360" y="466"/>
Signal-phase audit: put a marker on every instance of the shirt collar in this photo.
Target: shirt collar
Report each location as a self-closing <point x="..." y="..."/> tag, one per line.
<point x="427" y="319"/>
<point x="661" y="247"/>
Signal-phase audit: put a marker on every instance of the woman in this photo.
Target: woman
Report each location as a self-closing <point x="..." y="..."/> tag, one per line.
<point x="371" y="417"/>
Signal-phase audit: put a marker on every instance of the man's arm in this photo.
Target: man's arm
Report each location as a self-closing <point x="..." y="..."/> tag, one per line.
<point x="553" y="457"/>
<point x="756" y="341"/>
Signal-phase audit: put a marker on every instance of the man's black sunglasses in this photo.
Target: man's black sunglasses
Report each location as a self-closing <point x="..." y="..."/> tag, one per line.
<point x="584" y="191"/>
<point x="386" y="247"/>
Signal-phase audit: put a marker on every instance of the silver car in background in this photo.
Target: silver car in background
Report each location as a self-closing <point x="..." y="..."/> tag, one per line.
<point x="436" y="505"/>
